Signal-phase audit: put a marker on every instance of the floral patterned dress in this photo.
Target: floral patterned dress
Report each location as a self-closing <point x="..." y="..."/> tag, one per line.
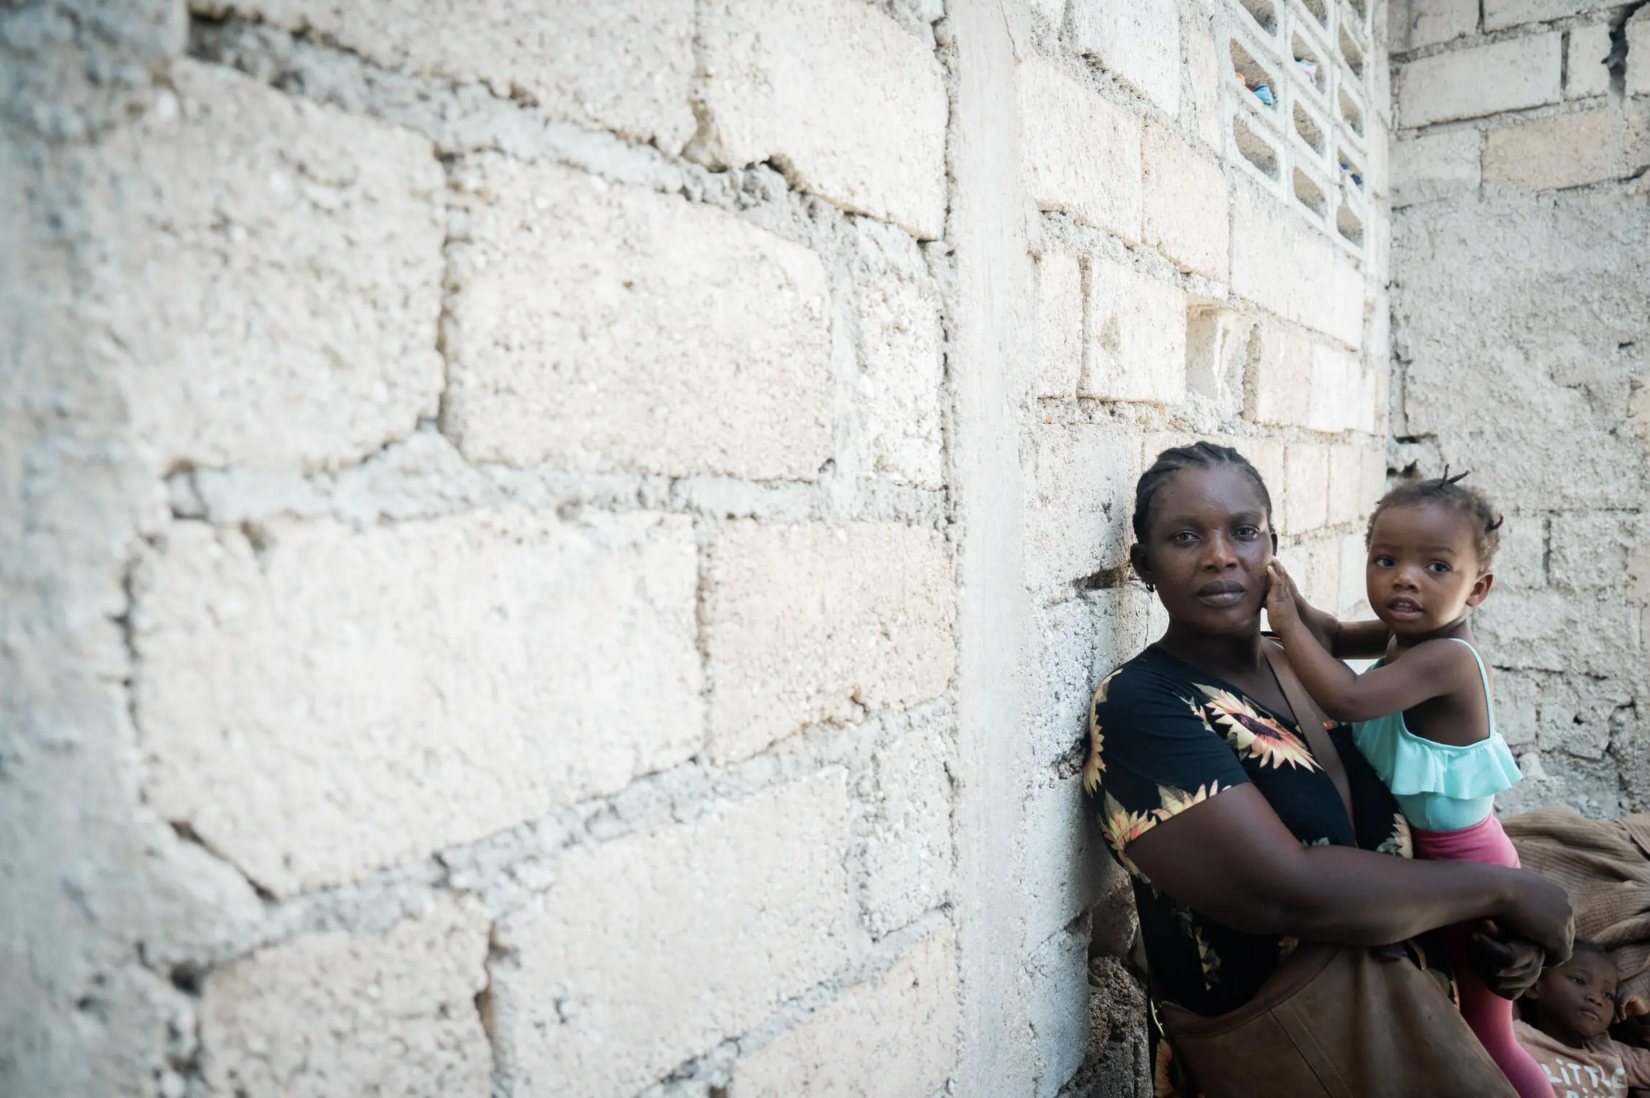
<point x="1164" y="736"/>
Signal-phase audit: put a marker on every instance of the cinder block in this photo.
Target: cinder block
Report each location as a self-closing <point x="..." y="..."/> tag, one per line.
<point x="282" y="277"/>
<point x="812" y="623"/>
<point x="1306" y="487"/>
<point x="850" y="102"/>
<point x="558" y="55"/>
<point x="1278" y="379"/>
<point x="389" y="1014"/>
<point x="654" y="948"/>
<point x="1597" y="551"/>
<point x="1081" y="640"/>
<point x="906" y="830"/>
<point x="1206" y="72"/>
<point x="1059" y="1009"/>
<point x="1059" y="322"/>
<point x="1266" y="455"/>
<point x="1585" y="72"/>
<point x="1437" y="21"/>
<point x="1341" y="398"/>
<point x="1521" y="560"/>
<point x="1064" y="857"/>
<point x="1500" y="14"/>
<point x="1294" y="273"/>
<point x="325" y="702"/>
<point x="1570" y="150"/>
<point x="1555" y="630"/>
<point x="1488" y="79"/>
<point x="901" y="358"/>
<point x="1079" y="497"/>
<point x="1638" y="54"/>
<point x="1517" y="700"/>
<point x="893" y="1036"/>
<point x="1135" y="346"/>
<point x="593" y="326"/>
<point x="1081" y="153"/>
<point x="1138" y="42"/>
<point x="1352" y="600"/>
<point x="1575" y="714"/>
<point x="1374" y="479"/>
<point x="1186" y="211"/>
<point x="1435" y="166"/>
<point x="1346" y="476"/>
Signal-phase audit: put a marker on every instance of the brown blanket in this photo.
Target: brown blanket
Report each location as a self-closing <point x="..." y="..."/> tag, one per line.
<point x="1604" y="865"/>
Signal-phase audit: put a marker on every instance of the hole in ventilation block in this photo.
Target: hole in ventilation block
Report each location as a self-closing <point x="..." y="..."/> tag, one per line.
<point x="1259" y="82"/>
<point x="1352" y="174"/>
<point x="1308" y="128"/>
<point x="1309" y="65"/>
<point x="1354" y="56"/>
<point x="1255" y="148"/>
<point x="1362" y="8"/>
<point x="1318" y="10"/>
<point x="1353" y="115"/>
<point x="1263" y="12"/>
<point x="1350" y="225"/>
<point x="1309" y="194"/>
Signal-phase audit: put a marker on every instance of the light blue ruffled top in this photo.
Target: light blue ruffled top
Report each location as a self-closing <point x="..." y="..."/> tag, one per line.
<point x="1438" y="786"/>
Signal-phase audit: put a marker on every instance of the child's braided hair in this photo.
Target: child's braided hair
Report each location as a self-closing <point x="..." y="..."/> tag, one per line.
<point x="1171" y="462"/>
<point x="1448" y="492"/>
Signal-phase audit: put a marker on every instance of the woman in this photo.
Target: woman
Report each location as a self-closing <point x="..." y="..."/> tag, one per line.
<point x="1227" y="812"/>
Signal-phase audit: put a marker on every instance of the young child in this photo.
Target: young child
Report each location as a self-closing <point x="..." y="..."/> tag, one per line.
<point x="1572" y="1006"/>
<point x="1422" y="715"/>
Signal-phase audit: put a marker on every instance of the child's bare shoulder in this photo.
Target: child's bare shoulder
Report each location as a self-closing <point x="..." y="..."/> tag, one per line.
<point x="1444" y="653"/>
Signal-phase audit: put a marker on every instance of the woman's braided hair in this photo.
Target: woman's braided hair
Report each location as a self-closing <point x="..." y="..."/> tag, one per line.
<point x="1449" y="493"/>
<point x="1172" y="462"/>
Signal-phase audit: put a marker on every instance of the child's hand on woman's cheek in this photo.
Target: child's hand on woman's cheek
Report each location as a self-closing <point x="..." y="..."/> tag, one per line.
<point x="1281" y="610"/>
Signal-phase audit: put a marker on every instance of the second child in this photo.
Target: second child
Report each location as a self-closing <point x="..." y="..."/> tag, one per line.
<point x="1422" y="715"/>
<point x="1571" y="1007"/>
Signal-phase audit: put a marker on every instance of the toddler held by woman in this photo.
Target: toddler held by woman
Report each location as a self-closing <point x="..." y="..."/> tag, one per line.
<point x="1422" y="715"/>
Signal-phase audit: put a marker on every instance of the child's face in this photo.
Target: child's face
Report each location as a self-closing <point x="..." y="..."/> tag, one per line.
<point x="1423" y="570"/>
<point x="1578" y="997"/>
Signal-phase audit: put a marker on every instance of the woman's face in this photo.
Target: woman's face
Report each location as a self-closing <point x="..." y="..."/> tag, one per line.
<point x="1207" y="548"/>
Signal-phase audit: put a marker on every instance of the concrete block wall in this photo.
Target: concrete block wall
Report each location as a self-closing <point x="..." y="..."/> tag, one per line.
<point x="540" y="576"/>
<point x="1520" y="352"/>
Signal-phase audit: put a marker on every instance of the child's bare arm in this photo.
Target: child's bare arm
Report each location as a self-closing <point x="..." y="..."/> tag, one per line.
<point x="1441" y="668"/>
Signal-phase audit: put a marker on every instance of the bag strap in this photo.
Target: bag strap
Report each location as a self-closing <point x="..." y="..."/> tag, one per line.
<point x="1313" y="724"/>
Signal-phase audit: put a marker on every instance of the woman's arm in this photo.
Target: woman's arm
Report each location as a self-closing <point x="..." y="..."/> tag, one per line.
<point x="1232" y="859"/>
<point x="1436" y="667"/>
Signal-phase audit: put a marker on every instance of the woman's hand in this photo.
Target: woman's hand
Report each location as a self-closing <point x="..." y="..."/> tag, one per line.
<point x="1282" y="605"/>
<point x="1508" y="966"/>
<point x="1537" y="909"/>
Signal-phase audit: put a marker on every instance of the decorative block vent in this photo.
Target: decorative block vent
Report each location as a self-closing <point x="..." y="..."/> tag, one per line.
<point x="1257" y="150"/>
<point x="1350" y="226"/>
<point x="1318" y="10"/>
<point x="1302" y="137"/>
<point x="1352" y="54"/>
<point x="1263" y="13"/>
<point x="1351" y="113"/>
<point x="1310" y="129"/>
<point x="1310" y="195"/>
<point x="1257" y="83"/>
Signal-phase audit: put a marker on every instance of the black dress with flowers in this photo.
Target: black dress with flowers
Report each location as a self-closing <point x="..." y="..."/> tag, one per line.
<point x="1164" y="736"/>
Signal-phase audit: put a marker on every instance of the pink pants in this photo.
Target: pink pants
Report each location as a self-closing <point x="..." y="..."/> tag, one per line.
<point x="1489" y="1015"/>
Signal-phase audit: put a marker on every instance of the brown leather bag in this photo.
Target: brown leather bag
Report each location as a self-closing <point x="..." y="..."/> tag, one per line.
<point x="1334" y="1021"/>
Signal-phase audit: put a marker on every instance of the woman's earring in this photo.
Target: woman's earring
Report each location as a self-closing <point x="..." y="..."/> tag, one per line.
<point x="1151" y="588"/>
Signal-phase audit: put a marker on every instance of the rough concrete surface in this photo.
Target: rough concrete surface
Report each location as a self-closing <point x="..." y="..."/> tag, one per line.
<point x="587" y="322"/>
<point x="1519" y="339"/>
<point x="562" y="549"/>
